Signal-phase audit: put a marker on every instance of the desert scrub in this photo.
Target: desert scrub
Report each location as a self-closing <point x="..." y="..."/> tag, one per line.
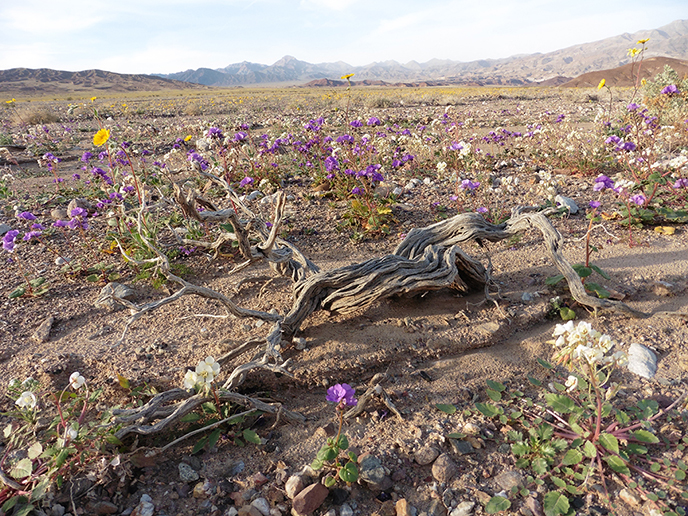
<point x="579" y="436"/>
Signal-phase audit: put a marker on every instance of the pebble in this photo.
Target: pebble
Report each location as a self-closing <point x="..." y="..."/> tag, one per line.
<point x="294" y="486"/>
<point x="462" y="447"/>
<point x="470" y="429"/>
<point x="262" y="505"/>
<point x="42" y="334"/>
<point x="642" y="361"/>
<point x="567" y="203"/>
<point x="59" y="214"/>
<point x="145" y="507"/>
<point x="116" y="289"/>
<point x="374" y="473"/>
<point x="346" y="510"/>
<point x="630" y="497"/>
<point x="105" y="508"/>
<point x="509" y="479"/>
<point x="403" y="508"/>
<point x="426" y="455"/>
<point x="60" y="260"/>
<point x="249" y="510"/>
<point x="463" y="509"/>
<point x="444" y="469"/>
<point x="4" y="228"/>
<point x="187" y="473"/>
<point x="309" y="499"/>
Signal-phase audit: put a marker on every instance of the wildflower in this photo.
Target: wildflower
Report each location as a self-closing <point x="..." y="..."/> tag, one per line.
<point x="214" y="132"/>
<point x="93" y="99"/>
<point x="632" y="52"/>
<point x="27" y="215"/>
<point x="643" y="41"/>
<point x="356" y="123"/>
<point x="331" y="164"/>
<point x="373" y="121"/>
<point x="669" y="90"/>
<point x="467" y="184"/>
<point x="441" y="167"/>
<point x="342" y="393"/>
<point x="86" y="156"/>
<point x="8" y="240"/>
<point x="602" y="183"/>
<point x="102" y="136"/>
<point x="680" y="183"/>
<point x="72" y="432"/>
<point x="571" y="383"/>
<point x="246" y="182"/>
<point x="356" y="190"/>
<point x="482" y="210"/>
<point x="76" y="381"/>
<point x="601" y="84"/>
<point x="191" y="378"/>
<point x="31" y="234"/>
<point x="207" y="370"/>
<point x="79" y="212"/>
<point x="638" y="199"/>
<point x="27" y="400"/>
<point x="345" y="77"/>
<point x="60" y="224"/>
<point x="595" y="204"/>
<point x="620" y="358"/>
<point x="632" y="106"/>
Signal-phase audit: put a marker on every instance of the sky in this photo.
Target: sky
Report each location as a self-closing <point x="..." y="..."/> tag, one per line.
<point x="167" y="36"/>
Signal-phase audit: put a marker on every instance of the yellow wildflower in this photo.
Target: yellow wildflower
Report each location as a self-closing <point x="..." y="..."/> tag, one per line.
<point x="632" y="52"/>
<point x="93" y="99"/>
<point x="101" y="137"/>
<point x="643" y="41"/>
<point x="601" y="84"/>
<point x="188" y="138"/>
<point x="643" y="82"/>
<point x="347" y="76"/>
<point x="10" y="101"/>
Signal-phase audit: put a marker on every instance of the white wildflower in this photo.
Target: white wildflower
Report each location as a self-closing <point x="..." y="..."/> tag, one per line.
<point x="190" y="379"/>
<point x="571" y="383"/>
<point x="76" y="381"/>
<point x="27" y="400"/>
<point x="207" y="370"/>
<point x="72" y="432"/>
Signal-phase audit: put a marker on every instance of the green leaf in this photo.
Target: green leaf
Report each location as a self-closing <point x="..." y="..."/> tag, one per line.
<point x="499" y="387"/>
<point x="622" y="417"/>
<point x="326" y="453"/>
<point x="494" y="395"/>
<point x="317" y="464"/>
<point x="645" y="437"/>
<point x="544" y="363"/>
<point x="497" y="504"/>
<point x="24" y="510"/>
<point x="582" y="270"/>
<point x="539" y="466"/>
<point x="600" y="271"/>
<point x="648" y="407"/>
<point x="214" y="437"/>
<point x="112" y="439"/>
<point x="352" y="457"/>
<point x="93" y="278"/>
<point x="558" y="482"/>
<point x="349" y="473"/>
<point x="566" y="314"/>
<point x="11" y="503"/>
<point x="456" y="435"/>
<point x="35" y="450"/>
<point x="251" y="436"/>
<point x="343" y="442"/>
<point x="534" y="381"/>
<point x="488" y="410"/>
<point x="617" y="464"/>
<point x="446" y="408"/>
<point x="520" y="449"/>
<point x="572" y="457"/>
<point x="655" y="467"/>
<point x="679" y="475"/>
<point x="191" y="417"/>
<point x="330" y="481"/>
<point x="555" y="504"/>
<point x="38" y="492"/>
<point x="62" y="457"/>
<point x="560" y="402"/>
<point x="610" y="442"/>
<point x="18" y="292"/>
<point x="598" y="289"/>
<point x="199" y="445"/>
<point x="22" y="469"/>
<point x="554" y="280"/>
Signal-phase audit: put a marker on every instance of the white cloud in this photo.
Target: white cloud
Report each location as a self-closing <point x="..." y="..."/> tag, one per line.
<point x="334" y="5"/>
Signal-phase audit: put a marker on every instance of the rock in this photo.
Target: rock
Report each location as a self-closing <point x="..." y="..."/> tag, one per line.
<point x="649" y="509"/>
<point x="42" y="334"/>
<point x="300" y="343"/>
<point x="507" y="480"/>
<point x="145" y="507"/>
<point x="462" y="447"/>
<point x="294" y="486"/>
<point x="426" y="455"/>
<point x="4" y="228"/>
<point x="62" y="260"/>
<point x="339" y="495"/>
<point x="346" y="510"/>
<point x="567" y="203"/>
<point x="113" y="289"/>
<point x="642" y="361"/>
<point x="398" y="191"/>
<point x="232" y="511"/>
<point x="526" y="297"/>
<point x="444" y="469"/>
<point x="470" y="428"/>
<point x="202" y="489"/>
<point x="59" y="214"/>
<point x="309" y="499"/>
<point x="482" y="497"/>
<point x="259" y="479"/>
<point x="262" y="505"/>
<point x="436" y="509"/>
<point x="105" y="508"/>
<point x="489" y="328"/>
<point x="630" y="497"/>
<point x="403" y="508"/>
<point x="534" y="505"/>
<point x="373" y="472"/>
<point x="187" y="473"/>
<point x="463" y="509"/>
<point x="249" y="510"/>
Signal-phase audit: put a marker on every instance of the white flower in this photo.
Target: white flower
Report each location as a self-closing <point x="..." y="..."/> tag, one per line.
<point x="76" y="381"/>
<point x="605" y="343"/>
<point x="208" y="369"/>
<point x="27" y="400"/>
<point x="190" y="380"/>
<point x="621" y="358"/>
<point x="72" y="432"/>
<point x="561" y="329"/>
<point x="571" y="383"/>
<point x="441" y="166"/>
<point x="591" y="355"/>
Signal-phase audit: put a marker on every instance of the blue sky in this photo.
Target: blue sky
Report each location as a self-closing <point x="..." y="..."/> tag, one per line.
<point x="166" y="36"/>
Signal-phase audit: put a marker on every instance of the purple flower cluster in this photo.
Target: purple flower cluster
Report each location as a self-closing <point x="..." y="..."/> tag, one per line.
<point x="9" y="239"/>
<point x="247" y="181"/>
<point x="195" y="157"/>
<point x="681" y="183"/>
<point x="621" y="145"/>
<point x="469" y="185"/>
<point x="602" y="183"/>
<point x="669" y="90"/>
<point x="342" y="394"/>
<point x="215" y="133"/>
<point x="638" y="199"/>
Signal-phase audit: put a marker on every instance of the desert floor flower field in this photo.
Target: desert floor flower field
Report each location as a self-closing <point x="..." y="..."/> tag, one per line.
<point x="86" y="183"/>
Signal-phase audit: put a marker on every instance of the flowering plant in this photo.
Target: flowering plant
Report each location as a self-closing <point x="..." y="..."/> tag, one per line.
<point x="343" y="396"/>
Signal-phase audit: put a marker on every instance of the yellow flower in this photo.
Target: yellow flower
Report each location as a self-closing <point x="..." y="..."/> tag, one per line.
<point x="643" y="82"/>
<point x="101" y="137"/>
<point x="188" y="138"/>
<point x="601" y="84"/>
<point x="643" y="41"/>
<point x="93" y="99"/>
<point x="632" y="52"/>
<point x="10" y="101"/>
<point x="347" y="76"/>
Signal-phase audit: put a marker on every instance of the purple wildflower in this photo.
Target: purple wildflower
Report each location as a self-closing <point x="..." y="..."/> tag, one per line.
<point x="626" y="146"/>
<point x="356" y="191"/>
<point x="602" y="183"/>
<point x="31" y="234"/>
<point x="27" y="215"/>
<point x="79" y="212"/>
<point x="356" y="123"/>
<point x="632" y="106"/>
<point x="246" y="181"/>
<point x="638" y="199"/>
<point x="467" y="184"/>
<point x="8" y="240"/>
<point x="373" y="121"/>
<point x="681" y="183"/>
<point x="668" y="90"/>
<point x="482" y="209"/>
<point x="342" y="393"/>
<point x="76" y="177"/>
<point x="60" y="224"/>
<point x="214" y="132"/>
<point x="595" y="204"/>
<point x="331" y="164"/>
<point x="240" y="136"/>
<point x="613" y="139"/>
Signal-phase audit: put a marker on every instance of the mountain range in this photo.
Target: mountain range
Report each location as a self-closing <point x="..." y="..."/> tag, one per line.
<point x="669" y="41"/>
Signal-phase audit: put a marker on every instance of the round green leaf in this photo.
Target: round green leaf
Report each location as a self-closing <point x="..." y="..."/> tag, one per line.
<point x="446" y="408"/>
<point x="349" y="473"/>
<point x="572" y="457"/>
<point x="555" y="504"/>
<point x="497" y="504"/>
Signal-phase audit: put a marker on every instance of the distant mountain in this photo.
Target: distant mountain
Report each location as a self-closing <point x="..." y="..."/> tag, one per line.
<point x="554" y="67"/>
<point x="627" y="74"/>
<point x="26" y="81"/>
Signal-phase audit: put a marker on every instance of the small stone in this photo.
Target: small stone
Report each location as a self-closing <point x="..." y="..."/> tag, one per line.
<point x="4" y="228"/>
<point x="470" y="429"/>
<point x="259" y="479"/>
<point x="42" y="334"/>
<point x="200" y="491"/>
<point x="339" y="495"/>
<point x="642" y="361"/>
<point x="403" y="508"/>
<point x="187" y="473"/>
<point x="463" y="509"/>
<point x="489" y="328"/>
<point x="630" y="497"/>
<point x="329" y="430"/>
<point x="526" y="297"/>
<point x="444" y="469"/>
<point x="113" y="289"/>
<point x="373" y="472"/>
<point x="567" y="203"/>
<point x="483" y="497"/>
<point x="346" y="510"/>
<point x="145" y="507"/>
<point x="300" y="343"/>
<point x="59" y="214"/>
<point x="62" y="260"/>
<point x="507" y="480"/>
<point x="426" y="455"/>
<point x="650" y="509"/>
<point x="262" y="505"/>
<point x="309" y="499"/>
<point x="461" y="447"/>
<point x="534" y="505"/>
<point x="436" y="509"/>
<point x="294" y="486"/>
<point x="105" y="508"/>
<point x="249" y="510"/>
<point x="232" y="511"/>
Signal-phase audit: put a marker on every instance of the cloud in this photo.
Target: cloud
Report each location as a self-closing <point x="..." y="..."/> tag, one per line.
<point x="334" y="5"/>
